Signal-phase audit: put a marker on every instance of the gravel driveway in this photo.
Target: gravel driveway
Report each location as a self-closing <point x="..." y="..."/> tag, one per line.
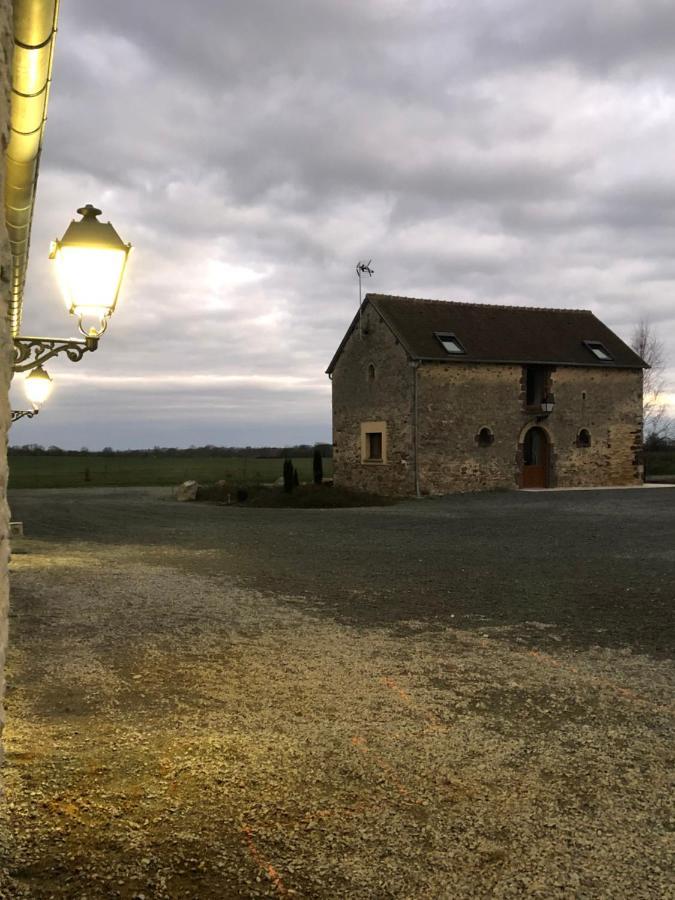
<point x="457" y="698"/>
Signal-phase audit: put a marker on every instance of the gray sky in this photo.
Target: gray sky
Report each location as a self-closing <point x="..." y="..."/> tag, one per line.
<point x="509" y="151"/>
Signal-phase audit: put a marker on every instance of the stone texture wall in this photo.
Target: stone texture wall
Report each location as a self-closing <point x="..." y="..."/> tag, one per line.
<point x="6" y="30"/>
<point x="359" y="398"/>
<point x="608" y="403"/>
<point x="455" y="401"/>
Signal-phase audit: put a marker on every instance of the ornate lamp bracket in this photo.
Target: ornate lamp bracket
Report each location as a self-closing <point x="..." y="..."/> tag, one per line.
<point x="42" y="349"/>
<point x="21" y="413"/>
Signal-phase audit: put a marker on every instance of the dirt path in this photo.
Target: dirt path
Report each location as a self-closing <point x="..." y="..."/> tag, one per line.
<point x="172" y="734"/>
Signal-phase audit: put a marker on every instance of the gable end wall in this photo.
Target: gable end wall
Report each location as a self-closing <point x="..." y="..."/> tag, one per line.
<point x="357" y="399"/>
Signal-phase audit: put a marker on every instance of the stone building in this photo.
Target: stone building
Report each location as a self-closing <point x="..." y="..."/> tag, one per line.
<point x="431" y="397"/>
<point x="27" y="29"/>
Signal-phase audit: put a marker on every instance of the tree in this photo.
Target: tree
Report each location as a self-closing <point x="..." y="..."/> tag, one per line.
<point x="651" y="348"/>
<point x="317" y="465"/>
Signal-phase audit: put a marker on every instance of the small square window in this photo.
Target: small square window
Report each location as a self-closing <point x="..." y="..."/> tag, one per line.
<point x="599" y="351"/>
<point x="450" y="343"/>
<point x="374" y="445"/>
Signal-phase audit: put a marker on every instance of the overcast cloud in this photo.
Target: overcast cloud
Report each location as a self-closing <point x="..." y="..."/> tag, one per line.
<point x="509" y="151"/>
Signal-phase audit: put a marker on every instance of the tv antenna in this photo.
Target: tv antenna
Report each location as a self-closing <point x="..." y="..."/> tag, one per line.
<point x="362" y="269"/>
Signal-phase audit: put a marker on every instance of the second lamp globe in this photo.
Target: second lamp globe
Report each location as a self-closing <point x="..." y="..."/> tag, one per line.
<point x="38" y="386"/>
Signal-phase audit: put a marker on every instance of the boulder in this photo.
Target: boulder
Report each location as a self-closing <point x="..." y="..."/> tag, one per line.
<point x="186" y="491"/>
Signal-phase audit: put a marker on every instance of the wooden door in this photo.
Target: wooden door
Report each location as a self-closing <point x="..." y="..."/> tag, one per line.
<point x="535" y="459"/>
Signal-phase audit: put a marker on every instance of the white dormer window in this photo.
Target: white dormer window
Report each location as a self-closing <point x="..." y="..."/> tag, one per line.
<point x="450" y="343"/>
<point x="599" y="351"/>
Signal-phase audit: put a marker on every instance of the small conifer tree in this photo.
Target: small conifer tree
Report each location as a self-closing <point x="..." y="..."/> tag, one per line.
<point x="288" y="475"/>
<point x="317" y="463"/>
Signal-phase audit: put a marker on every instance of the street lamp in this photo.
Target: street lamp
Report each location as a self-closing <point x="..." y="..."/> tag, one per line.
<point x="90" y="260"/>
<point x="37" y="386"/>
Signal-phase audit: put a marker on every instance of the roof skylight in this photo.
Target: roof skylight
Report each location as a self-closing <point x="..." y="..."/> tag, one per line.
<point x="599" y="351"/>
<point x="450" y="343"/>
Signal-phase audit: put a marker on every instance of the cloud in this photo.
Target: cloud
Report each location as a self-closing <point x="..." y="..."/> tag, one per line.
<point x="505" y="150"/>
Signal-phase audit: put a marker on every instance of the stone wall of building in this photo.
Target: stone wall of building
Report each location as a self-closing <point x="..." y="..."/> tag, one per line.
<point x="381" y="394"/>
<point x="6" y="44"/>
<point x="458" y="399"/>
<point x="454" y="402"/>
<point x="608" y="404"/>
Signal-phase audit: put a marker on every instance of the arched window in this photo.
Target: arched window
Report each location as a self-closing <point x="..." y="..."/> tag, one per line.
<point x="371" y="372"/>
<point x="485" y="437"/>
<point x="584" y="438"/>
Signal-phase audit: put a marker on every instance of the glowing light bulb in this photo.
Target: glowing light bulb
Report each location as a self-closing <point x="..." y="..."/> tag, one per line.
<point x="38" y="386"/>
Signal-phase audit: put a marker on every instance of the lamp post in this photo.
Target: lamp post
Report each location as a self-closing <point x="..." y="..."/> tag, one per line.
<point x="91" y="259"/>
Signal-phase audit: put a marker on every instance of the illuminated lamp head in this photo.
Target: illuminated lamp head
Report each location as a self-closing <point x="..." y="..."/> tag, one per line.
<point x="38" y="386"/>
<point x="90" y="259"/>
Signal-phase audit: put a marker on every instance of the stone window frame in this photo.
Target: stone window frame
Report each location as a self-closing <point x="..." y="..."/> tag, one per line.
<point x="583" y="443"/>
<point x="371" y="373"/>
<point x="368" y="428"/>
<point x="489" y="438"/>
<point x="540" y="378"/>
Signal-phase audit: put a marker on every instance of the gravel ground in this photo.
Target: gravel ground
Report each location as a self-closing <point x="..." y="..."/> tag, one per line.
<point x="458" y="698"/>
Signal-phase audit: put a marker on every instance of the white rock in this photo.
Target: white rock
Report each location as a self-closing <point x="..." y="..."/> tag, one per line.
<point x="186" y="491"/>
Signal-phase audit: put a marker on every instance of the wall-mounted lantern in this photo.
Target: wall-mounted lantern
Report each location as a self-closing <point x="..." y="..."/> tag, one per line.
<point x="37" y="386"/>
<point x="547" y="405"/>
<point x="91" y="260"/>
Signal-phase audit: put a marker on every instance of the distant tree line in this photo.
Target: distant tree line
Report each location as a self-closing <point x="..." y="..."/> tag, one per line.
<point x="297" y="451"/>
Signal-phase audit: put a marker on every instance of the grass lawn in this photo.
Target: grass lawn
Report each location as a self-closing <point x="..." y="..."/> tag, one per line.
<point x="139" y="471"/>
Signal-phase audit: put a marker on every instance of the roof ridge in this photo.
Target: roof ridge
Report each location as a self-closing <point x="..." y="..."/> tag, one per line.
<point x="553" y="309"/>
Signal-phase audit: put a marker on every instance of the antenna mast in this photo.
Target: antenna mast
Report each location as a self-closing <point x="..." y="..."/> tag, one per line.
<point x="361" y="270"/>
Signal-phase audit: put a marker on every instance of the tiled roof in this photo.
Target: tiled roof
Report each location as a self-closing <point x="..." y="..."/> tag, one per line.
<point x="502" y="334"/>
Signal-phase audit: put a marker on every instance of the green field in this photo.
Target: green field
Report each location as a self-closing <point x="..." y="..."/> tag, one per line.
<point x="136" y="471"/>
<point x="144" y="471"/>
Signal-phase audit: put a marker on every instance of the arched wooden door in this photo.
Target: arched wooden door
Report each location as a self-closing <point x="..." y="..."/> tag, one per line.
<point x="535" y="459"/>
